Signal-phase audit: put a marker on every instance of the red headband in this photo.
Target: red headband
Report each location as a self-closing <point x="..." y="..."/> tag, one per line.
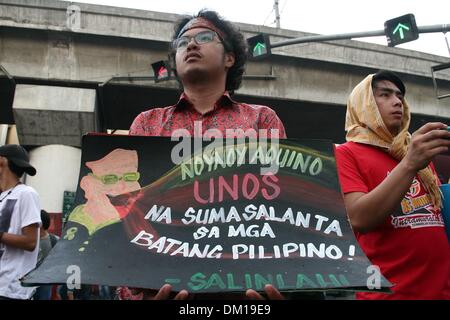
<point x="201" y="23"/>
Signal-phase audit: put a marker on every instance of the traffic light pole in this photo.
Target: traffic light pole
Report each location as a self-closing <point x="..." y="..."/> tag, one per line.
<point x="425" y="29"/>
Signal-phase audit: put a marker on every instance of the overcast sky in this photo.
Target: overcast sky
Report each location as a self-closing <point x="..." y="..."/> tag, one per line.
<point x="317" y="16"/>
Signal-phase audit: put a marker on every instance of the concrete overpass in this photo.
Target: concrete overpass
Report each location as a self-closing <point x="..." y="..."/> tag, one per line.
<point x="58" y="60"/>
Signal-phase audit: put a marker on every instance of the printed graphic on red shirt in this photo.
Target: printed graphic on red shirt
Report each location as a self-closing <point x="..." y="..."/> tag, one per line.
<point x="417" y="210"/>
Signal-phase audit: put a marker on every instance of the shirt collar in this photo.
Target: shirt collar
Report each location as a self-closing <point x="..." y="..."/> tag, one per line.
<point x="224" y="101"/>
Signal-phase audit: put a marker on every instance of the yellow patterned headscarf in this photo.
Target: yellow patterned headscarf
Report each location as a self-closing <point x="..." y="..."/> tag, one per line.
<point x="364" y="124"/>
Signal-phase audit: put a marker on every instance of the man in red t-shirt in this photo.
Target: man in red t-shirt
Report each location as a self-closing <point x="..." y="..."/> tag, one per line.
<point x="391" y="191"/>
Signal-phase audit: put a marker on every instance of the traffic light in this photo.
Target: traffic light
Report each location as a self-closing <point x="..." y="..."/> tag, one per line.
<point x="161" y="70"/>
<point x="259" y="46"/>
<point x="401" y="29"/>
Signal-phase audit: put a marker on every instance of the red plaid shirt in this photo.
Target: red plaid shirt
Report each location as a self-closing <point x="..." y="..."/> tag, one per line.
<point x="226" y="114"/>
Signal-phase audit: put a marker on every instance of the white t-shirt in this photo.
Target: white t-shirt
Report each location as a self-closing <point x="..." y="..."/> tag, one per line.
<point x="19" y="209"/>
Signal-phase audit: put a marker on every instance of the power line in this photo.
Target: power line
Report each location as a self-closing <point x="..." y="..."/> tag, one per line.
<point x="284" y="5"/>
<point x="268" y="16"/>
<point x="446" y="41"/>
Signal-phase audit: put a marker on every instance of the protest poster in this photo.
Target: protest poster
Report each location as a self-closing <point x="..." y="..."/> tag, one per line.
<point x="208" y="217"/>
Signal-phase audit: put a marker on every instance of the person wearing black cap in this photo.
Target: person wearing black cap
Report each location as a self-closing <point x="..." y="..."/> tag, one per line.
<point x="19" y="223"/>
<point x="391" y="190"/>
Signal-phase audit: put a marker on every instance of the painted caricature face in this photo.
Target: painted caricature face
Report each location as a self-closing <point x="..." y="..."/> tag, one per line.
<point x="114" y="174"/>
<point x="389" y="100"/>
<point x="201" y="55"/>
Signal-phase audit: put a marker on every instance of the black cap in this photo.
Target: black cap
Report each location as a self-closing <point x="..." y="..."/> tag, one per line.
<point x="389" y="76"/>
<point x="19" y="156"/>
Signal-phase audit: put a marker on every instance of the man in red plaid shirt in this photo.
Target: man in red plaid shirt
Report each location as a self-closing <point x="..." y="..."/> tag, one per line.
<point x="209" y="55"/>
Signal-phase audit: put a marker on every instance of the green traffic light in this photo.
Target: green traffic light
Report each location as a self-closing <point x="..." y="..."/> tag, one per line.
<point x="259" y="46"/>
<point x="259" y="49"/>
<point x="400" y="29"/>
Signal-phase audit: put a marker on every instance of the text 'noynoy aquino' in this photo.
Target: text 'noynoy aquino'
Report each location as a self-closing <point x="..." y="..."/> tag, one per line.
<point x="272" y="157"/>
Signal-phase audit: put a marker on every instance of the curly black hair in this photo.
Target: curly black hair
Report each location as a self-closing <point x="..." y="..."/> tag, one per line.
<point x="234" y="42"/>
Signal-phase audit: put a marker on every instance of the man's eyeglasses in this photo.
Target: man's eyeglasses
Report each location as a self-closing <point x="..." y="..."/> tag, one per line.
<point x="113" y="178"/>
<point x="200" y="38"/>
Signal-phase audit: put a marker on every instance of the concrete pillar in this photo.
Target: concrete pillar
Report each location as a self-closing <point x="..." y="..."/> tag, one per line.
<point x="58" y="168"/>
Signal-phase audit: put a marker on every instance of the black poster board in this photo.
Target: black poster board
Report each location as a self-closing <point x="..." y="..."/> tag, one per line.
<point x="225" y="219"/>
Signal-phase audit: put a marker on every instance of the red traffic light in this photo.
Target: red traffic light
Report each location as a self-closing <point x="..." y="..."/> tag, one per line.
<point x="161" y="70"/>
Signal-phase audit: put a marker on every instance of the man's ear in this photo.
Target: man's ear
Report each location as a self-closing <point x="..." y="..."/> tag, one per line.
<point x="229" y="60"/>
